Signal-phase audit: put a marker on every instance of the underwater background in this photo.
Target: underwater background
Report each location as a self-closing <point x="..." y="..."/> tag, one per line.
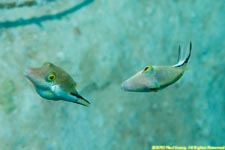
<point x="101" y="43"/>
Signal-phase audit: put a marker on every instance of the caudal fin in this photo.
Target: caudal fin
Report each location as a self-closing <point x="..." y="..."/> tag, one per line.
<point x="83" y="102"/>
<point x="182" y="61"/>
<point x="80" y="99"/>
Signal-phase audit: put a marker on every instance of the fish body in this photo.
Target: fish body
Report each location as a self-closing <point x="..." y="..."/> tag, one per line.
<point x="53" y="83"/>
<point x="154" y="78"/>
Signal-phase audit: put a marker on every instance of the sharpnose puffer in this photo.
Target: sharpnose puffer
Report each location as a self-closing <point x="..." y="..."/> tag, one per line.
<point x="153" y="78"/>
<point x="53" y="83"/>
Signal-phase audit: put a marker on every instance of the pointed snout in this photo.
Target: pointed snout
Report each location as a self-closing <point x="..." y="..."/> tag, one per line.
<point x="136" y="83"/>
<point x="128" y="85"/>
<point x="133" y="85"/>
<point x="31" y="74"/>
<point x="26" y="72"/>
<point x="124" y="85"/>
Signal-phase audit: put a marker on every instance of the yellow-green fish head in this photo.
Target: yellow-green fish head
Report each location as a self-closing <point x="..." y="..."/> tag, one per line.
<point x="43" y="77"/>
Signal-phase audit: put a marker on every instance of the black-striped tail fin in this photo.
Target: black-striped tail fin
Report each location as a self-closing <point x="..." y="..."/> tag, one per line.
<point x="183" y="60"/>
<point x="81" y="100"/>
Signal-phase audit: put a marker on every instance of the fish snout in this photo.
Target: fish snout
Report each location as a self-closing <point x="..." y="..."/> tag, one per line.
<point x="124" y="85"/>
<point x="26" y="72"/>
<point x="134" y="85"/>
<point x="128" y="86"/>
<point x="29" y="73"/>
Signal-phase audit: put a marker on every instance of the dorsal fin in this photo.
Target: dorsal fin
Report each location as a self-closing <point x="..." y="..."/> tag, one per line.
<point x="183" y="61"/>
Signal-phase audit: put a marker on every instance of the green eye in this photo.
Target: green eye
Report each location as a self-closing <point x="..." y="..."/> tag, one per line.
<point x="51" y="77"/>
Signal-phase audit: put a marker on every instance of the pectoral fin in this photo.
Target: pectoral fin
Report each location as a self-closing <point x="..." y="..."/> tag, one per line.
<point x="80" y="99"/>
<point x="154" y="85"/>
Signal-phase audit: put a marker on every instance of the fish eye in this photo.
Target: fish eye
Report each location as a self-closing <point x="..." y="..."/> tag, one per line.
<point x="147" y="68"/>
<point x="51" y="76"/>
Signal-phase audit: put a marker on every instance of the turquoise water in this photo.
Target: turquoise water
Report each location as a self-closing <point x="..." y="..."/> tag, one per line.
<point x="101" y="44"/>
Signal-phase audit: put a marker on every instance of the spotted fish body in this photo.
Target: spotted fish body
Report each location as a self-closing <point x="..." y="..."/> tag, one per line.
<point x="53" y="83"/>
<point x="154" y="78"/>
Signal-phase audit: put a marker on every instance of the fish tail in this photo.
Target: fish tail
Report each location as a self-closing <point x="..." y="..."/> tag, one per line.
<point x="83" y="102"/>
<point x="80" y="99"/>
<point x="183" y="61"/>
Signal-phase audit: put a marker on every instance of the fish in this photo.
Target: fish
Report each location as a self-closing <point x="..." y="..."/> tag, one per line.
<point x="53" y="83"/>
<point x="153" y="78"/>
